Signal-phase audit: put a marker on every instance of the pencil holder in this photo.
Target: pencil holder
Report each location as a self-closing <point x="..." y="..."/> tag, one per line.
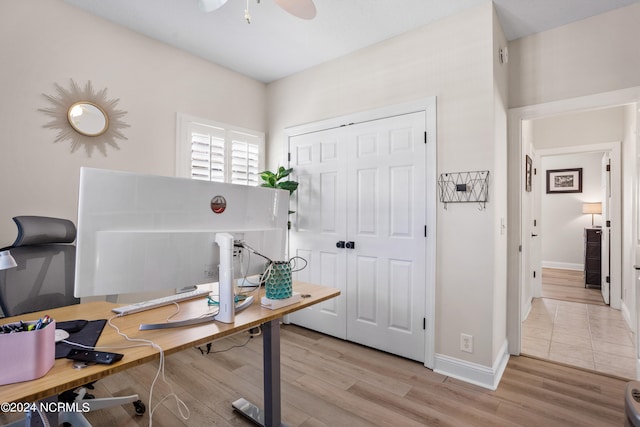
<point x="27" y="355"/>
<point x="278" y="283"/>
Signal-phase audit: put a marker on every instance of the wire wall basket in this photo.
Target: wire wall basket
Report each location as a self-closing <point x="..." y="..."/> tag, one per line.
<point x="464" y="187"/>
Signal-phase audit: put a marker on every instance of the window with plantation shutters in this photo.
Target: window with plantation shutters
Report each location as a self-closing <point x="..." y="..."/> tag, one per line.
<point x="245" y="159"/>
<point x="217" y="152"/>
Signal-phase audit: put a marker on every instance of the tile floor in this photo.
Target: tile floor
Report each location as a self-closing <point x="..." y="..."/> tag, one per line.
<point x="587" y="336"/>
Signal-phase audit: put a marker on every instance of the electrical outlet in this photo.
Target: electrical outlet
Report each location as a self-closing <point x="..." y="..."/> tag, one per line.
<point x="466" y="343"/>
<point x="237" y="248"/>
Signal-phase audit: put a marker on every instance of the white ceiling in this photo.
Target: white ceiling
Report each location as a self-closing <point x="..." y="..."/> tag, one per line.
<point x="277" y="44"/>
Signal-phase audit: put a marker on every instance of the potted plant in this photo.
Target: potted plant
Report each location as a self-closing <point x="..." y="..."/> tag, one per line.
<point x="277" y="180"/>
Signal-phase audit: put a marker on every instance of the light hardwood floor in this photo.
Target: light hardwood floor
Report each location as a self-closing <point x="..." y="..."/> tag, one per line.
<point x="568" y="285"/>
<point x="330" y="382"/>
<point x="571" y="325"/>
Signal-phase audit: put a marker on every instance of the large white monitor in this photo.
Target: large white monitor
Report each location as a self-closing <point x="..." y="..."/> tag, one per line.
<point x="142" y="233"/>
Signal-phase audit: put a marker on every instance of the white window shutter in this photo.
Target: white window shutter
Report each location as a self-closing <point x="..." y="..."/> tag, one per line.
<point x="207" y="153"/>
<point x="217" y="152"/>
<point x="245" y="159"/>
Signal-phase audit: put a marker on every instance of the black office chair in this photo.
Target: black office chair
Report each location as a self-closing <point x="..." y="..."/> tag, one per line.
<point x="44" y="279"/>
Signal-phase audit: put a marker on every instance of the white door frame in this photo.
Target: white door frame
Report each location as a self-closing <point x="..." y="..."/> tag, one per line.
<point x="516" y="169"/>
<point x="614" y="150"/>
<point x="428" y="106"/>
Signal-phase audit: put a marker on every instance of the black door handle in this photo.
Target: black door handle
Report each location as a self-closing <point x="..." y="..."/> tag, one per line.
<point x="534" y="235"/>
<point x="351" y="245"/>
<point x="340" y="244"/>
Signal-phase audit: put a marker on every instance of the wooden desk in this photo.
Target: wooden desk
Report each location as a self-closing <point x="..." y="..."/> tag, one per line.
<point x="63" y="377"/>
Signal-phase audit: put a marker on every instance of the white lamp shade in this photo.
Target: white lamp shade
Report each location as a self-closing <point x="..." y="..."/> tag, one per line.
<point x="592" y="208"/>
<point x="6" y="260"/>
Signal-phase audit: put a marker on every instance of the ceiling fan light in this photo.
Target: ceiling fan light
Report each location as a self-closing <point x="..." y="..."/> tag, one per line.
<point x="304" y="9"/>
<point x="210" y="5"/>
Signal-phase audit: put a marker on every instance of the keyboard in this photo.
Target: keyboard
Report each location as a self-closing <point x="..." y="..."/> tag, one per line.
<point x="159" y="302"/>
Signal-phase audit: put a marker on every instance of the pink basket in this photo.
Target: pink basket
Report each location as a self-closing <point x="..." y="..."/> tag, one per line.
<point x="27" y="355"/>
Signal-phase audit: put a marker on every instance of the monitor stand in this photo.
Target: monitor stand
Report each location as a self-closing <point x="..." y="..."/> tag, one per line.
<point x="239" y="306"/>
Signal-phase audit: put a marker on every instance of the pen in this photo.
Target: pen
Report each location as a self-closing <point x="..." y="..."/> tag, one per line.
<point x="43" y="321"/>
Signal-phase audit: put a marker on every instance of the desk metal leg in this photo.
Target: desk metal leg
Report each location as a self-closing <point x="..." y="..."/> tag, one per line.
<point x="271" y="415"/>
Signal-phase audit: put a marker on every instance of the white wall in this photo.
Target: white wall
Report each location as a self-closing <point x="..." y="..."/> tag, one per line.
<point x="454" y="60"/>
<point x="595" y="55"/>
<point x="562" y="221"/>
<point x="47" y="42"/>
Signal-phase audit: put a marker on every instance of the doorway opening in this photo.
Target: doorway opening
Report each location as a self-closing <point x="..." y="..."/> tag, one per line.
<point x="520" y="296"/>
<point x="569" y="320"/>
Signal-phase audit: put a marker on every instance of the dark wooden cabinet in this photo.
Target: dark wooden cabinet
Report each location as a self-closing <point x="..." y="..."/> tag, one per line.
<point x="592" y="257"/>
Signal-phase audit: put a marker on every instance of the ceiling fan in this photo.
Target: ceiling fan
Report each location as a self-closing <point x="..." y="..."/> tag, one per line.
<point x="304" y="9"/>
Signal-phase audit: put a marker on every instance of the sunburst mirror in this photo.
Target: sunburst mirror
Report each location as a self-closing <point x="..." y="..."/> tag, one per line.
<point x="85" y="117"/>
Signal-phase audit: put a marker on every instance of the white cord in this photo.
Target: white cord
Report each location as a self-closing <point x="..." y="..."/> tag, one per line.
<point x="247" y="16"/>
<point x="43" y="417"/>
<point x="181" y="405"/>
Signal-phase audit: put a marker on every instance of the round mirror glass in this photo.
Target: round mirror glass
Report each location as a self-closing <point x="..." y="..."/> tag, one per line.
<point x="88" y="118"/>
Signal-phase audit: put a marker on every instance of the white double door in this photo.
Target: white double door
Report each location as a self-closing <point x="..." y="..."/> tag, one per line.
<point x="360" y="224"/>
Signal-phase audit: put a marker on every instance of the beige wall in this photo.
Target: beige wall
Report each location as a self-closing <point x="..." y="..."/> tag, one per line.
<point x="595" y="55"/>
<point x="453" y="60"/>
<point x="49" y="42"/>
<point x="583" y="128"/>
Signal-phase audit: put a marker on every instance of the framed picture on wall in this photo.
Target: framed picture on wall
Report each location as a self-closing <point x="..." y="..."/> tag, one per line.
<point x="527" y="173"/>
<point x="564" y="180"/>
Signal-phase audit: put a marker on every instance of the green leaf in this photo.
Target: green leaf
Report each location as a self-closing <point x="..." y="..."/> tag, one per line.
<point x="272" y="180"/>
<point x="283" y="173"/>
<point x="291" y="186"/>
<point x="265" y="175"/>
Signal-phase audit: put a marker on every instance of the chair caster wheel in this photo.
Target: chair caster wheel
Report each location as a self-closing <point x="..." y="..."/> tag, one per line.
<point x="139" y="407"/>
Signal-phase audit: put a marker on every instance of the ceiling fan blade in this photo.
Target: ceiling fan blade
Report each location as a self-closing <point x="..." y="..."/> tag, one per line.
<point x="304" y="9"/>
<point x="210" y="5"/>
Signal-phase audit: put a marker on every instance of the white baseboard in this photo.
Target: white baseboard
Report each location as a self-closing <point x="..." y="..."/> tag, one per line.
<point x="526" y="310"/>
<point x="563" y="265"/>
<point x="473" y="373"/>
<point x="626" y="315"/>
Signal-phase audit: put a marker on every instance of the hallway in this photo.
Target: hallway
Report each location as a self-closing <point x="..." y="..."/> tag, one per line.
<point x="576" y="333"/>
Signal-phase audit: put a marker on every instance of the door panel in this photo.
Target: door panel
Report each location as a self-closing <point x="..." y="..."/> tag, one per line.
<point x="367" y="201"/>
<point x="319" y="163"/>
<point x="365" y="183"/>
<point x="386" y="218"/>
<point x="401" y="208"/>
<point x="365" y="290"/>
<point x="400" y="295"/>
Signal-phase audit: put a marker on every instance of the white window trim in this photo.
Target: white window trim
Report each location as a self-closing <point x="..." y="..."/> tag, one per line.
<point x="183" y="141"/>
